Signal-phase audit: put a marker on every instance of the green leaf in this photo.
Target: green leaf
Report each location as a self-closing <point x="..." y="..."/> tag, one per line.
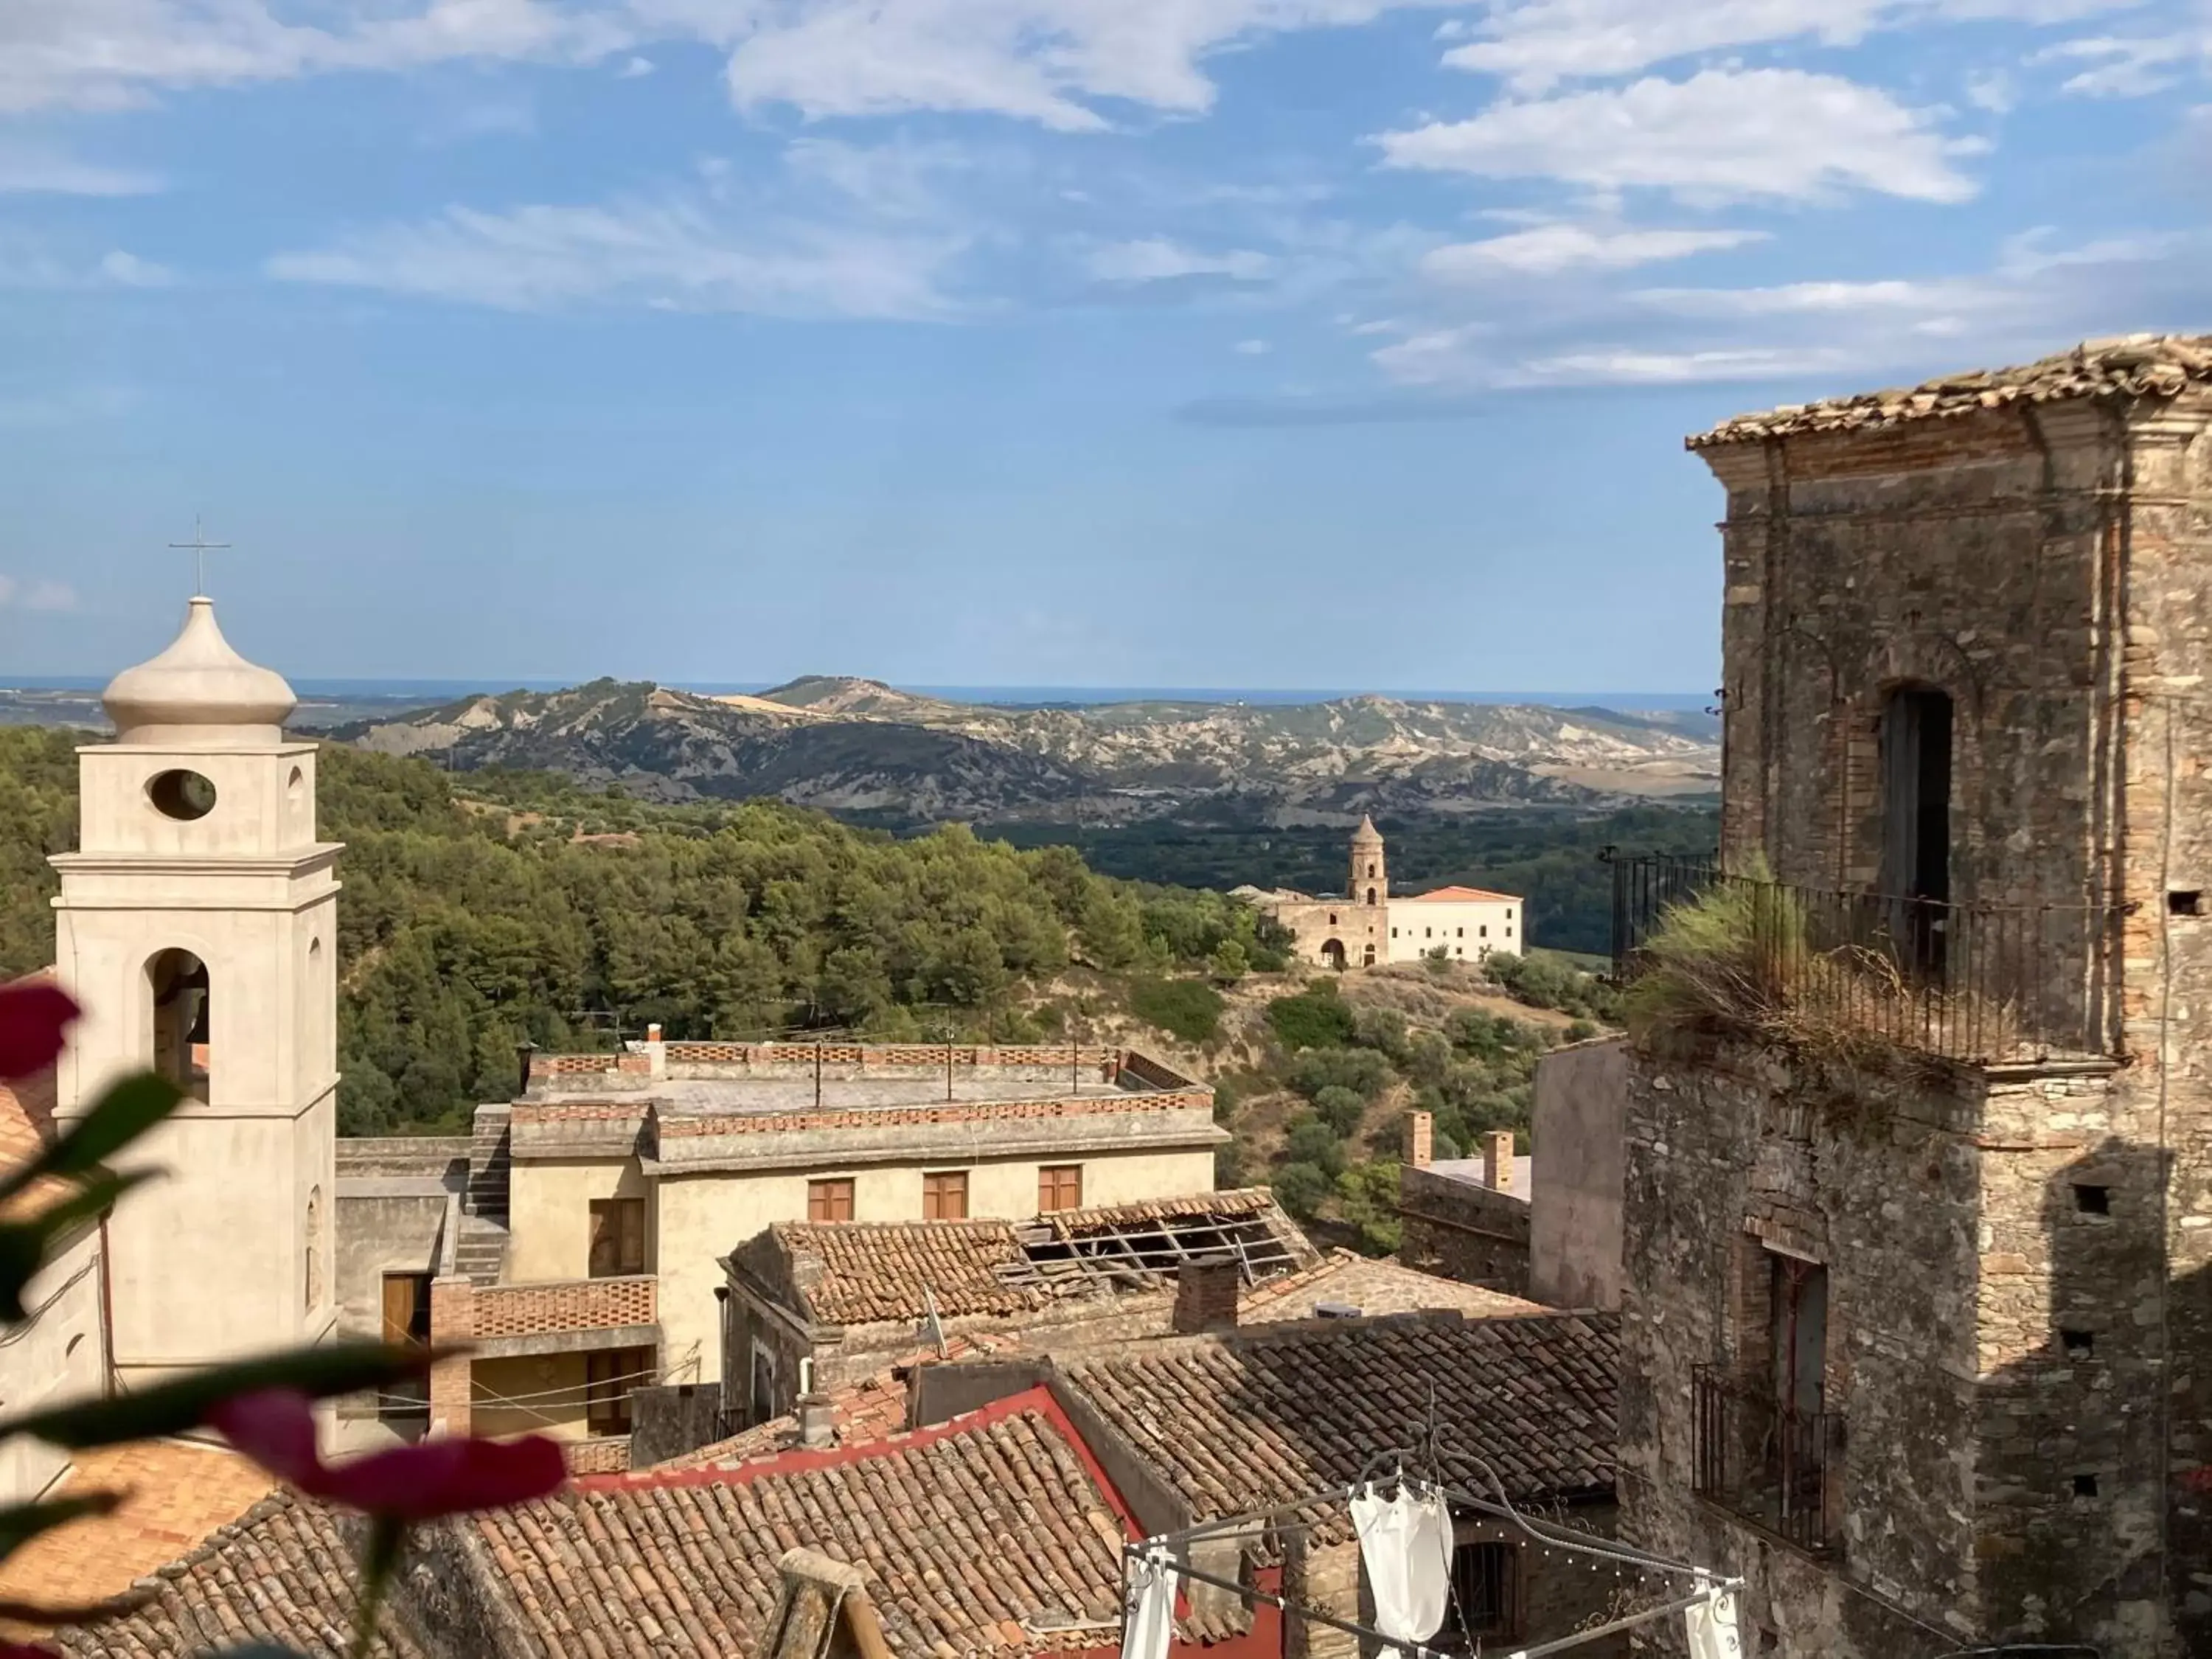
<point x="21" y="1522"/>
<point x="26" y="1246"/>
<point x="184" y="1402"/>
<point x="125" y="1112"/>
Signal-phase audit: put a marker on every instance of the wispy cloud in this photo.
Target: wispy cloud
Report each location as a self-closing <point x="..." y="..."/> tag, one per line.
<point x="38" y="169"/>
<point x="2129" y="66"/>
<point x="36" y="595"/>
<point x="676" y="254"/>
<point x="1157" y="259"/>
<point x="1548" y="249"/>
<point x="1721" y="136"/>
<point x="1252" y="348"/>
<point x="27" y="262"/>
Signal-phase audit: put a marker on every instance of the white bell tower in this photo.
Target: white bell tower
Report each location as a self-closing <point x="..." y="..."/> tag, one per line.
<point x="196" y="927"/>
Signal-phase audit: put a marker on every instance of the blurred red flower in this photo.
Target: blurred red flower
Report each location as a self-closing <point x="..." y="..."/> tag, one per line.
<point x="275" y="1428"/>
<point x="35" y="1019"/>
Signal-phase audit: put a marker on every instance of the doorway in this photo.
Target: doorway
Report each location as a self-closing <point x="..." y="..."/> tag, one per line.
<point x="1915" y="854"/>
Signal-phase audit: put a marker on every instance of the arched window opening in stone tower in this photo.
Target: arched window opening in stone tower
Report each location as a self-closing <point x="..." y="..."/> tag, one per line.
<point x="1370" y="869"/>
<point x="1916" y="852"/>
<point x="177" y="987"/>
<point x="1370" y="895"/>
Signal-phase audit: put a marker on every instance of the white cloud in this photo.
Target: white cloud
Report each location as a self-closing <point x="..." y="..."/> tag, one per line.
<point x="674" y="254"/>
<point x="1548" y="249"/>
<point x="635" y="68"/>
<point x="37" y="169"/>
<point x="1722" y="135"/>
<point x="36" y="595"/>
<point x="1157" y="260"/>
<point x="1534" y="45"/>
<point x="128" y="270"/>
<point x="2034" y="296"/>
<point x="2128" y="66"/>
<point x="1252" y="348"/>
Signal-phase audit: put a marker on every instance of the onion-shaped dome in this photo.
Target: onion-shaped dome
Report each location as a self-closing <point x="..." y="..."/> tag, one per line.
<point x="200" y="691"/>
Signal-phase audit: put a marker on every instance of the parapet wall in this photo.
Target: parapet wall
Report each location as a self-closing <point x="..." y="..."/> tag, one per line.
<point x="642" y="1065"/>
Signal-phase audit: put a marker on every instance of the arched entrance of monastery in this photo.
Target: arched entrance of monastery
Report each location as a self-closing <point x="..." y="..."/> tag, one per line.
<point x="1333" y="954"/>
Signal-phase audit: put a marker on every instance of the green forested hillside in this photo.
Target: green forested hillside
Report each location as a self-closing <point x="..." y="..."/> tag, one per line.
<point x="526" y="910"/>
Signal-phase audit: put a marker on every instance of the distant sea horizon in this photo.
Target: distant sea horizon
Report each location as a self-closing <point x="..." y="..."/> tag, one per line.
<point x="437" y="690"/>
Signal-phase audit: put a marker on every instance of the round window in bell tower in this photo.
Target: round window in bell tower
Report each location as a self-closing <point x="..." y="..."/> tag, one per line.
<point x="181" y="795"/>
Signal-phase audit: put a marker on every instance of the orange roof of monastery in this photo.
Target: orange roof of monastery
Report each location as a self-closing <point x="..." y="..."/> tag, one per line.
<point x="1462" y="896"/>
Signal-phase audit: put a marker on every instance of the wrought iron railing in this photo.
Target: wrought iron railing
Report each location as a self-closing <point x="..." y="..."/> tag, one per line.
<point x="1765" y="1460"/>
<point x="1980" y="983"/>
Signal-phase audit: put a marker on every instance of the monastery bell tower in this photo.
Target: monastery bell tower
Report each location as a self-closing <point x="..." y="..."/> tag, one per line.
<point x="197" y="925"/>
<point x="1370" y="877"/>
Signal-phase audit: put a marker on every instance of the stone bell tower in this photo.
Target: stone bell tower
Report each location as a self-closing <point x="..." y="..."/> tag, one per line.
<point x="197" y="926"/>
<point x="1370" y="877"/>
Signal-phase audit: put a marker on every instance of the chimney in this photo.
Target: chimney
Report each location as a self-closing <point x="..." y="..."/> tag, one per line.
<point x="1420" y="1139"/>
<point x="1497" y="1160"/>
<point x="1205" y="1294"/>
<point x="652" y="1032"/>
<point x="818" y="1426"/>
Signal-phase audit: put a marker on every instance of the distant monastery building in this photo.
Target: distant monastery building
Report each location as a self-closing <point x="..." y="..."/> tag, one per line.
<point x="1368" y="925"/>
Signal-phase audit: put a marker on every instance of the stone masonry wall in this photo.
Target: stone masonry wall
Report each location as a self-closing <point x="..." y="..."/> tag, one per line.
<point x="1460" y="1229"/>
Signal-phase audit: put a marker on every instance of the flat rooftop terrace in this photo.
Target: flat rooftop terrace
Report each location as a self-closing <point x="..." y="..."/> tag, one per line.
<point x="734" y="1097"/>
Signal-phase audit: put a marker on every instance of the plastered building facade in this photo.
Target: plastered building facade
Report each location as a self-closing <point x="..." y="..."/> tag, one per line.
<point x="1367" y="927"/>
<point x="1919" y="1332"/>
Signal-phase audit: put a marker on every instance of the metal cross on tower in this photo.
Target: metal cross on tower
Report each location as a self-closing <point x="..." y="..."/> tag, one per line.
<point x="201" y="546"/>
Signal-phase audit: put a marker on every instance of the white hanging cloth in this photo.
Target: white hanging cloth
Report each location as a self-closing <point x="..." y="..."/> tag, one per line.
<point x="1712" y="1625"/>
<point x="1148" y="1607"/>
<point x="1406" y="1545"/>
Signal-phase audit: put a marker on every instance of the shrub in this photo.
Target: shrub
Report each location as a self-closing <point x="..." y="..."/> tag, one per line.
<point x="1302" y="1189"/>
<point x="1228" y="1166"/>
<point x="1228" y="963"/>
<point x="1340" y="1108"/>
<point x="1711" y="966"/>
<point x="1316" y="1019"/>
<point x="1362" y="1071"/>
<point x="1312" y="1141"/>
<point x="1437" y="962"/>
<point x="1580" y="1031"/>
<point x="1367" y="1195"/>
<point x="1188" y="1008"/>
<point x="1226" y="1100"/>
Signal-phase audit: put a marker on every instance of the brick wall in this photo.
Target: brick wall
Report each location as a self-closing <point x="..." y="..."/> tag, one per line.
<point x="674" y="1125"/>
<point x="577" y="1304"/>
<point x="1458" y="1230"/>
<point x="601" y="1454"/>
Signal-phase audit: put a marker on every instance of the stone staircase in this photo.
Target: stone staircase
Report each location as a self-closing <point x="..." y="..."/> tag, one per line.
<point x="481" y="1250"/>
<point x="488" y="1164"/>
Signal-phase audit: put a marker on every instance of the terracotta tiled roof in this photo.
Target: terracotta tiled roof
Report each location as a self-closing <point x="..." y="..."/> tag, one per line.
<point x="873" y="1272"/>
<point x="861" y="1412"/>
<point x="1241" y="1422"/>
<point x="178" y="1493"/>
<point x="966" y="1531"/>
<point x="2133" y="365"/>
<point x="1460" y="896"/>
<point x="1373" y="1287"/>
<point x="283" y="1573"/>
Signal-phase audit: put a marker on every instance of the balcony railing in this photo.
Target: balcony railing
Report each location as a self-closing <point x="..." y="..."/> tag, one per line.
<point x="1765" y="1461"/>
<point x="1984" y="984"/>
<point x="560" y="1306"/>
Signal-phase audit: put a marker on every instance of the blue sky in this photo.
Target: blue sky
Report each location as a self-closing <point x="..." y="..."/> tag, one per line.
<point x="1266" y="342"/>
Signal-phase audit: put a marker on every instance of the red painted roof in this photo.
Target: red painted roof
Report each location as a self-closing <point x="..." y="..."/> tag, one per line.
<point x="1462" y="896"/>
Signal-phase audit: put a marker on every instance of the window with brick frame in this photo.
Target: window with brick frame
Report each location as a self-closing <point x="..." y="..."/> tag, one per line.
<point x="830" y="1201"/>
<point x="1486" y="1588"/>
<point x="1060" y="1187"/>
<point x="617" y="1237"/>
<point x="945" y="1195"/>
<point x="610" y="1374"/>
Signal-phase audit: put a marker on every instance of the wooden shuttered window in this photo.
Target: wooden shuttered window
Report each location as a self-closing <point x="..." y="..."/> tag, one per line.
<point x="617" y="1237"/>
<point x="407" y="1308"/>
<point x="609" y="1376"/>
<point x="1060" y="1187"/>
<point x="830" y="1201"/>
<point x="945" y="1195"/>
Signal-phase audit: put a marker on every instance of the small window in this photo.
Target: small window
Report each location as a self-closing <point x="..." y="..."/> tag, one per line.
<point x="1370" y="895"/>
<point x="2092" y="1200"/>
<point x="1508" y="912"/>
<point x="617" y="1237"/>
<point x="2085" y="1485"/>
<point x="610" y="1374"/>
<point x="1060" y="1187"/>
<point x="1371" y="872"/>
<point x="1331" y="918"/>
<point x="1462" y="933"/>
<point x="2187" y="901"/>
<point x="1394" y="932"/>
<point x="945" y="1195"/>
<point x="2079" y="1345"/>
<point x="1486" y="1587"/>
<point x="830" y="1201"/>
<point x="1483" y="931"/>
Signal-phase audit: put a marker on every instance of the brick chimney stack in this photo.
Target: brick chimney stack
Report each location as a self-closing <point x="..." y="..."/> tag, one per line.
<point x="1497" y="1160"/>
<point x="652" y="1032"/>
<point x="1205" y="1294"/>
<point x="1420" y="1139"/>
